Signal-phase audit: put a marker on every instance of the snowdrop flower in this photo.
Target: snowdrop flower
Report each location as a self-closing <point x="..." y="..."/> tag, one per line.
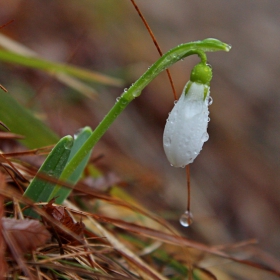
<point x="186" y="127"/>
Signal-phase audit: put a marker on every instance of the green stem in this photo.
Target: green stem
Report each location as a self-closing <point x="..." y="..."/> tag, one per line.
<point x="171" y="57"/>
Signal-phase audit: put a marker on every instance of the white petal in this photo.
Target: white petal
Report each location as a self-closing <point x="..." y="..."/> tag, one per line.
<point x="186" y="128"/>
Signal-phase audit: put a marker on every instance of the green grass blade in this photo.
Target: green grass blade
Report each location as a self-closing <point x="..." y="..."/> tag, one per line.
<point x="21" y="121"/>
<point x="41" y="190"/>
<point x="60" y="192"/>
<point x="52" y="67"/>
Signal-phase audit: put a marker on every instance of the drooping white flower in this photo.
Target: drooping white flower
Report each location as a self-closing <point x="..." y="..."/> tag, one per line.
<point x="186" y="127"/>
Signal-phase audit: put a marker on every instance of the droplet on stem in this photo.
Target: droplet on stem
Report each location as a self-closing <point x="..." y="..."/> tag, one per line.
<point x="186" y="219"/>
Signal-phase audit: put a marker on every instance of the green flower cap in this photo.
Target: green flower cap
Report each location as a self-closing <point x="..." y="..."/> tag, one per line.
<point x="201" y="73"/>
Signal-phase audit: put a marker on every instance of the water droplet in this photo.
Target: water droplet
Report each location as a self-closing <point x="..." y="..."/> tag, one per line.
<point x="68" y="145"/>
<point x="50" y="173"/>
<point x="209" y="100"/>
<point x="123" y="102"/>
<point x="175" y="102"/>
<point x="183" y="166"/>
<point x="186" y="219"/>
<point x="136" y="93"/>
<point x="125" y="90"/>
<point x="118" y="98"/>
<point x="209" y="65"/>
<point x="205" y="137"/>
<point x="77" y="133"/>
<point x="228" y="47"/>
<point x="167" y="141"/>
<point x="208" y="120"/>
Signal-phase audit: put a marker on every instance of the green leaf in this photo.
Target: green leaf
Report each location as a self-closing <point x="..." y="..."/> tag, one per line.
<point x="21" y="121"/>
<point x="41" y="190"/>
<point x="52" y="67"/>
<point x="61" y="192"/>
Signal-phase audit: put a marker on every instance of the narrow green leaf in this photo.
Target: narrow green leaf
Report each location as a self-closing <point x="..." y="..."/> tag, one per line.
<point x="48" y="66"/>
<point x="41" y="190"/>
<point x="21" y="121"/>
<point x="60" y="192"/>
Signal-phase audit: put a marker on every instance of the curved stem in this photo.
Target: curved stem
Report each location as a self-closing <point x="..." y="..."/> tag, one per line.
<point x="171" y="57"/>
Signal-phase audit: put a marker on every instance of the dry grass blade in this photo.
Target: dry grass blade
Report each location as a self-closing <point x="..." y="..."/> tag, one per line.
<point x="68" y="268"/>
<point x="8" y="165"/>
<point x="3" y="88"/>
<point x="142" y="267"/>
<point x="94" y="194"/>
<point x="9" y="135"/>
<point x="2" y="124"/>
<point x="209" y="274"/>
<point x="39" y="151"/>
<point x="181" y="241"/>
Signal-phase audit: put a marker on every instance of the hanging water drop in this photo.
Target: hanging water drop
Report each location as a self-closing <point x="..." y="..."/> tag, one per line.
<point x="125" y="90"/>
<point x="118" y="98"/>
<point x="186" y="219"/>
<point x="175" y="102"/>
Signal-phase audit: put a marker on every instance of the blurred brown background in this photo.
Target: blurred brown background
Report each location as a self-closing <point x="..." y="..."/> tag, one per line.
<point x="235" y="180"/>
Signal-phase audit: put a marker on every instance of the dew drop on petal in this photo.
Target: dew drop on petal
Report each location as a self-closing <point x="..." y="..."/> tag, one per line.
<point x="209" y="100"/>
<point x="166" y="141"/>
<point x="205" y="137"/>
<point x="186" y="219"/>
<point x="208" y="119"/>
<point x="175" y="102"/>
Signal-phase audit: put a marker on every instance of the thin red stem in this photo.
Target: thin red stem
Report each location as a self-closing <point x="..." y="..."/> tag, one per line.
<point x="189" y="187"/>
<point x="156" y="44"/>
